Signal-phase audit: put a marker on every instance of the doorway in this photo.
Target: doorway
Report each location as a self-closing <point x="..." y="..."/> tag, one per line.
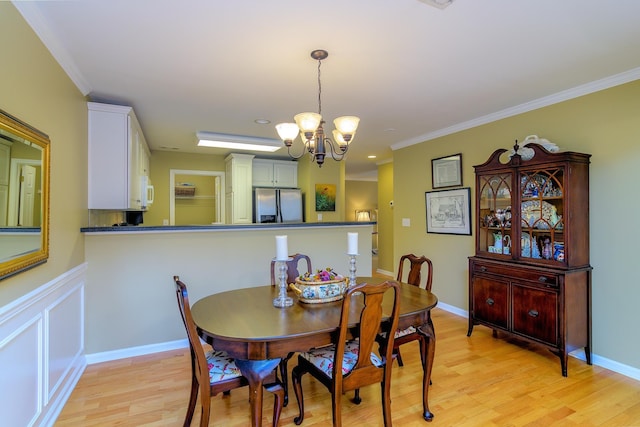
<point x="203" y="205"/>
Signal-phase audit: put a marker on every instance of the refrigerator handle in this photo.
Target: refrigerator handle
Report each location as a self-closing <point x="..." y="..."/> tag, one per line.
<point x="278" y="207"/>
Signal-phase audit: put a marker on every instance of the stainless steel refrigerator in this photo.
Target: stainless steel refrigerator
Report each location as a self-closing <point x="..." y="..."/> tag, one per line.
<point x="277" y="205"/>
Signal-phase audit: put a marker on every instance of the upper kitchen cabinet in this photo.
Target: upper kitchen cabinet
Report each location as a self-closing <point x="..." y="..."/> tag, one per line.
<point x="275" y="173"/>
<point x="118" y="159"/>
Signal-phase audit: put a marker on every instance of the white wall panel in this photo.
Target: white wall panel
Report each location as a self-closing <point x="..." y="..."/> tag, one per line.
<point x="42" y="350"/>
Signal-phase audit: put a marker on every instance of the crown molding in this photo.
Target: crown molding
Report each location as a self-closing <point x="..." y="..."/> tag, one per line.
<point x="31" y="14"/>
<point x="565" y="95"/>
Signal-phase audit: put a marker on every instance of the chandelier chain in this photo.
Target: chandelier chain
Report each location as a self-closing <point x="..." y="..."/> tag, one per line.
<point x="319" y="89"/>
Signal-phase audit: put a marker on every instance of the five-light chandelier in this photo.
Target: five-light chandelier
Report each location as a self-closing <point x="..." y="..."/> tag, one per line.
<point x="310" y="127"/>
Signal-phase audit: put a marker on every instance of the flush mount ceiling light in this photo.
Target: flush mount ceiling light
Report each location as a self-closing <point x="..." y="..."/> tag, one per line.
<point x="310" y="127"/>
<point x="440" y="4"/>
<point x="237" y="142"/>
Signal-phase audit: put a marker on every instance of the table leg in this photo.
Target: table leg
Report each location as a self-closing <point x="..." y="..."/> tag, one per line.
<point x="427" y="353"/>
<point x="255" y="371"/>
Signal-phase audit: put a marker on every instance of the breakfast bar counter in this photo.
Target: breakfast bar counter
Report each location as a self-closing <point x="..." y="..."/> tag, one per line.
<point x="129" y="293"/>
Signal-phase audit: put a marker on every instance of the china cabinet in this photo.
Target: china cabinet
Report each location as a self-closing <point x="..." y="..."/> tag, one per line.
<point x="118" y="159"/>
<point x="238" y="196"/>
<point x="275" y="173"/>
<point x="530" y="276"/>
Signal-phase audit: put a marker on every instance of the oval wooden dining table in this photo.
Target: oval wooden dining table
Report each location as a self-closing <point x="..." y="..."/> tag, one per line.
<point x="244" y="323"/>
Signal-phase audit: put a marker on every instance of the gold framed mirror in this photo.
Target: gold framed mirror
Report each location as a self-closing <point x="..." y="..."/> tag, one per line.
<point x="24" y="196"/>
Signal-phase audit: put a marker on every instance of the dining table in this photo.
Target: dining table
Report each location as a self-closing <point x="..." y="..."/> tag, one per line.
<point x="245" y="323"/>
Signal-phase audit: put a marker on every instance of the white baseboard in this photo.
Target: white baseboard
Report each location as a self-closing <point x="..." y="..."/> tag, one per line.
<point x="142" y="350"/>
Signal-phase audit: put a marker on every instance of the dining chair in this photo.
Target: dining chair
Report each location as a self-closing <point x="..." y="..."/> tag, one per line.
<point x="214" y="372"/>
<point x="292" y="268"/>
<point x="350" y="363"/>
<point x="293" y="272"/>
<point x="413" y="278"/>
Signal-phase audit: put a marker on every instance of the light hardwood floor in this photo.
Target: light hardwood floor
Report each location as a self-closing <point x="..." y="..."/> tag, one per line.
<point x="477" y="381"/>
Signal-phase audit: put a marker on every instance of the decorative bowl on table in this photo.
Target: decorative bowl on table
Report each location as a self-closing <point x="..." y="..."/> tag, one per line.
<point x="323" y="286"/>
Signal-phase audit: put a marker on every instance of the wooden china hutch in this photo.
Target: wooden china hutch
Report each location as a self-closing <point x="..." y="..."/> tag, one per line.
<point x="530" y="276"/>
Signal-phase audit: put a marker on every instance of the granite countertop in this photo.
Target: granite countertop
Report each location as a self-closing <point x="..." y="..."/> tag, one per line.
<point x="217" y="227"/>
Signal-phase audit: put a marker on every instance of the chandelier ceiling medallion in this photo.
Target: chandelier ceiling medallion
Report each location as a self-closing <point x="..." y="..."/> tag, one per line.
<point x="310" y="127"/>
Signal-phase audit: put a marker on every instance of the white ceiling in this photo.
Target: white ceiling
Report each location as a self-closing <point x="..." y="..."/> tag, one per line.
<point x="410" y="71"/>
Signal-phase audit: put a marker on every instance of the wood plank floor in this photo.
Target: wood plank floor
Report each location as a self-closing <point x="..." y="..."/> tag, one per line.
<point x="477" y="381"/>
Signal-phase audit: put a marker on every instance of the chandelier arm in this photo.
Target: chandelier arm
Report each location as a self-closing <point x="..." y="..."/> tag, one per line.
<point x="334" y="151"/>
<point x="305" y="149"/>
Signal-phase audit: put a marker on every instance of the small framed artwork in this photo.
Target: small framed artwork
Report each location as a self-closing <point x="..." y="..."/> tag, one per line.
<point x="447" y="171"/>
<point x="449" y="211"/>
<point x="325" y="197"/>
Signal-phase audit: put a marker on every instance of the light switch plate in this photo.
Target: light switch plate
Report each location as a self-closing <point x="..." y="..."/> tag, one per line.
<point x="406" y="222"/>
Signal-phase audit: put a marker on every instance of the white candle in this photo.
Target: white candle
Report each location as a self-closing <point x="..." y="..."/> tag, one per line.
<point x="352" y="246"/>
<point x="281" y="248"/>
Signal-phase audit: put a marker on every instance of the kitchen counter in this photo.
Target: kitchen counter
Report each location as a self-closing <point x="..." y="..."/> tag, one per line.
<point x="219" y="227"/>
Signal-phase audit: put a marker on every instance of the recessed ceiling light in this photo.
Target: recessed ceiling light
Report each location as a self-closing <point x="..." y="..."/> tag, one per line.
<point x="371" y="157"/>
<point x="262" y="121"/>
<point x="237" y="142"/>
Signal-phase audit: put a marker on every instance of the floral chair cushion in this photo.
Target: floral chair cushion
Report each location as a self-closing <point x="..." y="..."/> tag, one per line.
<point x="322" y="358"/>
<point x="221" y="366"/>
<point x="402" y="332"/>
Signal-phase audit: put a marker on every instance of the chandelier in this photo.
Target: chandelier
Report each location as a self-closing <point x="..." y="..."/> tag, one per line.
<point x="311" y="129"/>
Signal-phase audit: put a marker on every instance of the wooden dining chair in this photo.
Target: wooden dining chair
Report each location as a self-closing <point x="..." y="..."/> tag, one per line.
<point x="413" y="278"/>
<point x="351" y="364"/>
<point x="214" y="372"/>
<point x="293" y="272"/>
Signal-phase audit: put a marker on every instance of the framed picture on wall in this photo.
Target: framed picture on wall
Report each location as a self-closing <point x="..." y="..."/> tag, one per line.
<point x="446" y="171"/>
<point x="325" y="197"/>
<point x="449" y="211"/>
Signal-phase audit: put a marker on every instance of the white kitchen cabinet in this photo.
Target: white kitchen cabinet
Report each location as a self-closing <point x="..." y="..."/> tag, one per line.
<point x="275" y="173"/>
<point x="238" y="196"/>
<point x="118" y="158"/>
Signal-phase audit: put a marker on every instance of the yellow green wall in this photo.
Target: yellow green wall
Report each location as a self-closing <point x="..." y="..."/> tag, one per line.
<point x="605" y="124"/>
<point x="35" y="89"/>
<point x="360" y="195"/>
<point x="331" y="172"/>
<point x="386" y="221"/>
<point x="160" y="164"/>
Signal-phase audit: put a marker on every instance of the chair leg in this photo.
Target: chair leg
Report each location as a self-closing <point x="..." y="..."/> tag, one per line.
<point x="284" y="377"/>
<point x="336" y="408"/>
<point x="206" y="409"/>
<point x="398" y="356"/>
<point x="278" y="401"/>
<point x="386" y="402"/>
<point x="356" y="397"/>
<point x="193" y="397"/>
<point x="296" y="380"/>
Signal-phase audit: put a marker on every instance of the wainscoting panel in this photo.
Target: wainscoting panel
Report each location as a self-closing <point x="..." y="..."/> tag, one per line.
<point x="42" y="350"/>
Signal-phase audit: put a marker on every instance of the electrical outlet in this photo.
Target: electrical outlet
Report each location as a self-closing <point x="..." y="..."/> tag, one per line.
<point x="319" y="217"/>
<point x="406" y="222"/>
<point x="165" y="222"/>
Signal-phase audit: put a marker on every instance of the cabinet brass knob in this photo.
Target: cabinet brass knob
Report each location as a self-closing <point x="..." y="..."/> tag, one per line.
<point x="490" y="301"/>
<point x="533" y="313"/>
<point x="542" y="279"/>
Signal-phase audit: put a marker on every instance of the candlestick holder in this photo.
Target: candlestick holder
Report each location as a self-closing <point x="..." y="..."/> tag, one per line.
<point x="282" y="300"/>
<point x="352" y="269"/>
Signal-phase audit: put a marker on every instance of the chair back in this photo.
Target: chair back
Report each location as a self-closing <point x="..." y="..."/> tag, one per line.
<point x="415" y="267"/>
<point x="198" y="358"/>
<point x="292" y="268"/>
<point x="370" y="317"/>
